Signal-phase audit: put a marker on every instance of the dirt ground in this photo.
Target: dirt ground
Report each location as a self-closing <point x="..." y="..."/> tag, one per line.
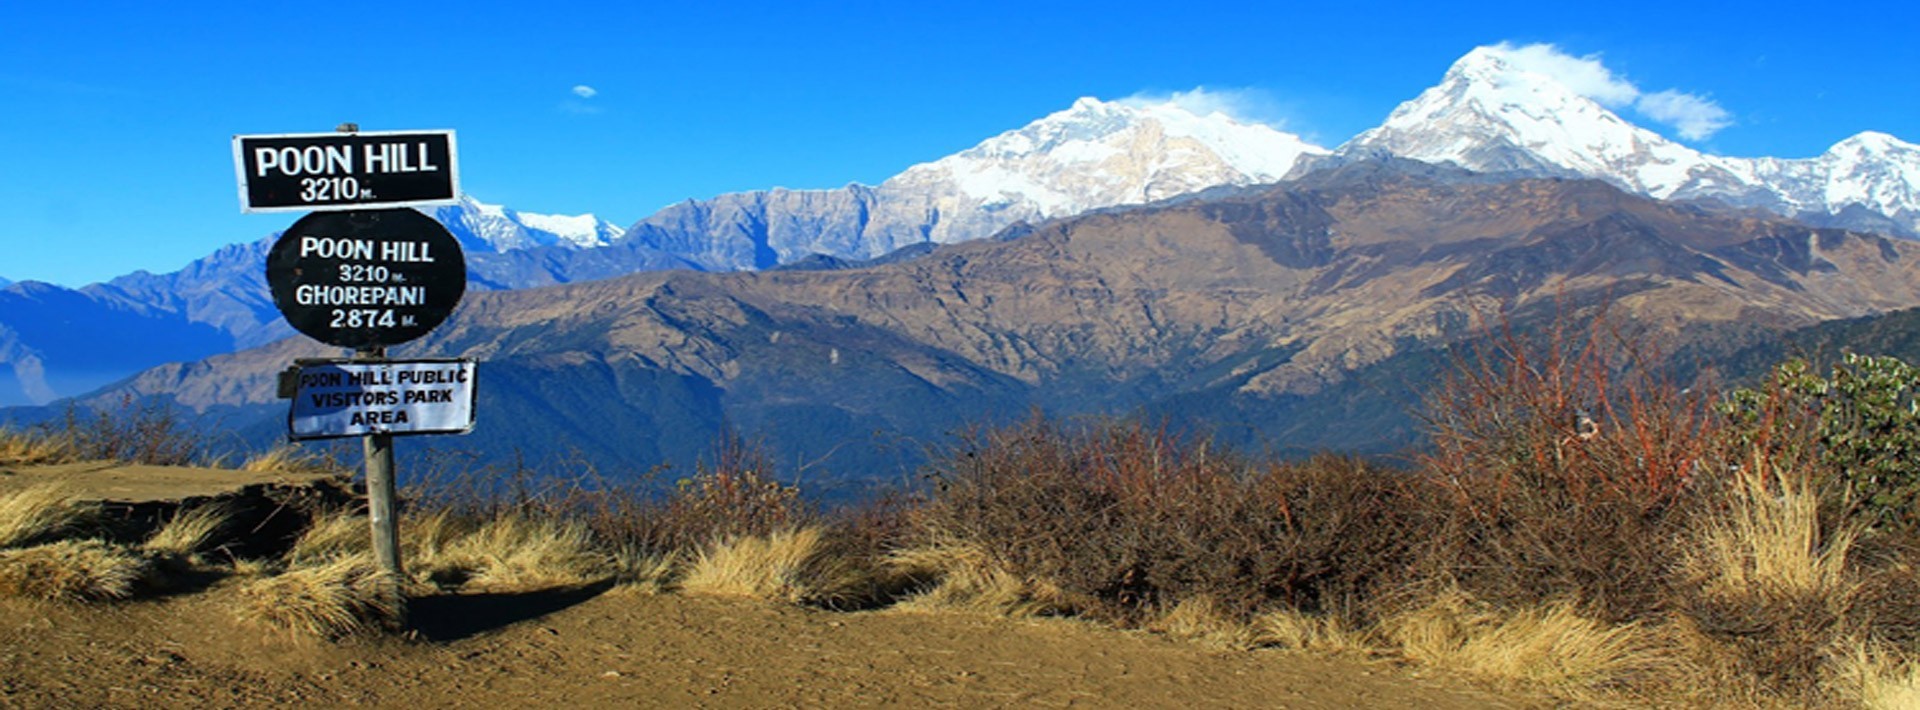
<point x="133" y="483"/>
<point x="595" y="648"/>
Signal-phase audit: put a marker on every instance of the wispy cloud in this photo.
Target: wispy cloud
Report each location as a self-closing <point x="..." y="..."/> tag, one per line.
<point x="1696" y="118"/>
<point x="582" y="101"/>
<point x="1585" y="75"/>
<point x="1243" y="105"/>
<point x="1693" y="116"/>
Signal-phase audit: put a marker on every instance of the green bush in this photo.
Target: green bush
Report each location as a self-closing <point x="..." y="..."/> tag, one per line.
<point x="1862" y="422"/>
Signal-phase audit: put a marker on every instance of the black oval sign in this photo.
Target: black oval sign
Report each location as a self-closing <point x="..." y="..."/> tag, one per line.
<point x="366" y="278"/>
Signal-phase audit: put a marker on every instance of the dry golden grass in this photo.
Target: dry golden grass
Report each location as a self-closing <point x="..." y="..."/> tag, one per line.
<point x="1876" y="678"/>
<point x="189" y="531"/>
<point x="340" y="597"/>
<point x="1551" y="647"/>
<point x="505" y="553"/>
<point x="511" y="553"/>
<point x="1200" y="619"/>
<point x="1769" y="543"/>
<point x="636" y="571"/>
<point x="1291" y="629"/>
<point x="25" y="448"/>
<point x="792" y="566"/>
<point x="71" y="570"/>
<point x="288" y="458"/>
<point x="330" y="536"/>
<point x="40" y="513"/>
<point x="964" y="578"/>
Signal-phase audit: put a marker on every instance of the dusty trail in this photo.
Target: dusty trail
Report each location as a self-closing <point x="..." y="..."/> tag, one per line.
<point x="619" y="649"/>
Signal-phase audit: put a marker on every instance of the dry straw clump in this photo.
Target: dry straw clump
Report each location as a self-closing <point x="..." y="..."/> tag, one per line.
<point x="41" y="513"/>
<point x="344" y="596"/>
<point x="71" y="570"/>
<point x="1296" y="630"/>
<point x="188" y="532"/>
<point x="1551" y="646"/>
<point x="795" y="566"/>
<point x="961" y="576"/>
<point x="328" y="537"/>
<point x="510" y="553"/>
<point x="1876" y="677"/>
<point x="1202" y="619"/>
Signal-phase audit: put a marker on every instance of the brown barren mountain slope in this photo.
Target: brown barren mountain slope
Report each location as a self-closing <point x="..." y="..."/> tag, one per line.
<point x="1229" y="301"/>
<point x="1349" y="265"/>
<point x="619" y="650"/>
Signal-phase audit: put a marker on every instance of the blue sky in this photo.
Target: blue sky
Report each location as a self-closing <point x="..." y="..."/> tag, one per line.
<point x="117" y="119"/>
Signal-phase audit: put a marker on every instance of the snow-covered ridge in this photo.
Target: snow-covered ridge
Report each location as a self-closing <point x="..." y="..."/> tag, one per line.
<point x="1104" y="153"/>
<point x="494" y="228"/>
<point x="1494" y="112"/>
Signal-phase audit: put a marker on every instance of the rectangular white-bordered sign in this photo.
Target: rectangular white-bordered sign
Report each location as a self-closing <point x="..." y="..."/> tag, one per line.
<point x="311" y="172"/>
<point x="344" y="398"/>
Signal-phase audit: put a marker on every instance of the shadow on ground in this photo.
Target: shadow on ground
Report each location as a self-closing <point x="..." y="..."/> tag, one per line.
<point x="452" y="617"/>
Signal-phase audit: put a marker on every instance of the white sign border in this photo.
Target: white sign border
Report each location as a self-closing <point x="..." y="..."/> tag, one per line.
<point x="453" y="167"/>
<point x="473" y="411"/>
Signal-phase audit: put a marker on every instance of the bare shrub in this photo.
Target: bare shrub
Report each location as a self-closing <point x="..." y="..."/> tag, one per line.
<point x="1127" y="520"/>
<point x="133" y="432"/>
<point x="1564" y="465"/>
<point x="34" y="447"/>
<point x="732" y="496"/>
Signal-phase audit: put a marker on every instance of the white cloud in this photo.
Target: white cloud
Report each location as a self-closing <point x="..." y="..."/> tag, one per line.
<point x="1244" y="105"/>
<point x="1585" y="75"/>
<point x="1692" y="116"/>
<point x="1696" y="118"/>
<point x="585" y="92"/>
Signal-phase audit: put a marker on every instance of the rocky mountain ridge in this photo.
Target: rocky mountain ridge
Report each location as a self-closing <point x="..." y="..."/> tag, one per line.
<point x="1248" y="304"/>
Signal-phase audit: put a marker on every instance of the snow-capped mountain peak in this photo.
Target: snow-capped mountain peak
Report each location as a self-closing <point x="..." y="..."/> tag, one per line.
<point x="495" y="228"/>
<point x="1499" y="109"/>
<point x="1532" y="109"/>
<point x="1103" y="153"/>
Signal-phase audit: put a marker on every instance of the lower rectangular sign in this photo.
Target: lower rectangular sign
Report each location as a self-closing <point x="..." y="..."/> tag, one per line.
<point x="345" y="398"/>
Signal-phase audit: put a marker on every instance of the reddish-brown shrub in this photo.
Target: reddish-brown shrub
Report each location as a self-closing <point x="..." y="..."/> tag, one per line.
<point x="1564" y="461"/>
<point x="1130" y="520"/>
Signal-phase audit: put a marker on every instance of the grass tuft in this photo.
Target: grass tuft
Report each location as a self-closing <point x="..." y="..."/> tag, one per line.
<point x="41" y="513"/>
<point x="189" y="531"/>
<point x="794" y="566"/>
<point x="1550" y="646"/>
<point x="962" y="577"/>
<point x="341" y="597"/>
<point x="1876" y="678"/>
<point x="511" y="553"/>
<point x="1292" y="629"/>
<point x="71" y="570"/>
<point x="330" y="536"/>
<point x="1202" y="619"/>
